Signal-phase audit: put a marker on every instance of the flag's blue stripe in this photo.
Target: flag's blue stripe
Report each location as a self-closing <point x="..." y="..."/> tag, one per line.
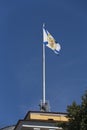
<point x="45" y="43"/>
<point x="57" y="52"/>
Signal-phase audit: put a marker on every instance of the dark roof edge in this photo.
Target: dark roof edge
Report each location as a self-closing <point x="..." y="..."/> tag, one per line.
<point x="47" y="121"/>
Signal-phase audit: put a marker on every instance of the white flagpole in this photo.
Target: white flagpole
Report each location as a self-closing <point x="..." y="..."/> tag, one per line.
<point x="44" y="106"/>
<point x="44" y="74"/>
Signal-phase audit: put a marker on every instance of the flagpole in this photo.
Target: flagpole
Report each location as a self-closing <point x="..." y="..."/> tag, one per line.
<point x="44" y="106"/>
<point x="44" y="84"/>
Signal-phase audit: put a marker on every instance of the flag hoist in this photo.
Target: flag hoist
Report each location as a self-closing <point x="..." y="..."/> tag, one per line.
<point x="49" y="41"/>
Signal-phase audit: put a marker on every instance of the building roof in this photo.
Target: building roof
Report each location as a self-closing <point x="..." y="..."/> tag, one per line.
<point x="38" y="120"/>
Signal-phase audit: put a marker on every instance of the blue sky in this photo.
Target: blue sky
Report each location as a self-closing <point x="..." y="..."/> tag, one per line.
<point x="21" y="55"/>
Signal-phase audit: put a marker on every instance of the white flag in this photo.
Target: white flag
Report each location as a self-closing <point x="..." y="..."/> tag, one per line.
<point x="50" y="42"/>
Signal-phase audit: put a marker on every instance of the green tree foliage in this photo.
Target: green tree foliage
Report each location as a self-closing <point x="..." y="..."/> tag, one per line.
<point x="77" y="115"/>
<point x="73" y="113"/>
<point x="84" y="112"/>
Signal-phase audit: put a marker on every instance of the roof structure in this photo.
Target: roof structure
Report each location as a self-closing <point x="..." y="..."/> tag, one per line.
<point x="37" y="120"/>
